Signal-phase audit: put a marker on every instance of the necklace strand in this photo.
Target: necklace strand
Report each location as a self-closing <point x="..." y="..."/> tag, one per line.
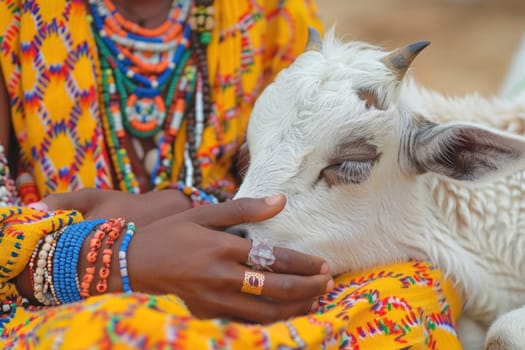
<point x="145" y="100"/>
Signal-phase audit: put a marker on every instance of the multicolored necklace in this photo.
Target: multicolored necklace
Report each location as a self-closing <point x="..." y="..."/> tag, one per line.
<point x="151" y="80"/>
<point x="142" y="60"/>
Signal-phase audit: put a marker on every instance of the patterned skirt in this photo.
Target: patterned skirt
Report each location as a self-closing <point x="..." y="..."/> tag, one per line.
<point x="402" y="306"/>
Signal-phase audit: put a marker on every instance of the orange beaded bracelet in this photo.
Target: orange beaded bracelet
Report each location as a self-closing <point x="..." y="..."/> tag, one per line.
<point x="110" y="231"/>
<point x="112" y="228"/>
<point x="92" y="255"/>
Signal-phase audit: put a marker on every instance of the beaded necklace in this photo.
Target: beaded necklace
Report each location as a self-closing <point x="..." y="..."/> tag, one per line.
<point x="151" y="80"/>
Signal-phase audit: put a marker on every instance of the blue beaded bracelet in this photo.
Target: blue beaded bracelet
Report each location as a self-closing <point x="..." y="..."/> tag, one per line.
<point x="122" y="256"/>
<point x="65" y="260"/>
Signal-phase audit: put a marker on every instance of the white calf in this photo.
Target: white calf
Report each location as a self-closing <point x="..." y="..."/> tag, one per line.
<point x="378" y="170"/>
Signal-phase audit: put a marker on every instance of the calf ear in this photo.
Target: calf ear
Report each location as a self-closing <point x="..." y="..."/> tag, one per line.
<point x="466" y="152"/>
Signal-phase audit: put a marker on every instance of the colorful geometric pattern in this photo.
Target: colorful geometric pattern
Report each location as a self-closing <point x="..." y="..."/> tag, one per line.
<point x="50" y="63"/>
<point x="399" y="307"/>
<point x="51" y="80"/>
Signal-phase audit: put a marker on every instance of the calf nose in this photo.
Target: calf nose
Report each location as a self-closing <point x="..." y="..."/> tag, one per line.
<point x="238" y="231"/>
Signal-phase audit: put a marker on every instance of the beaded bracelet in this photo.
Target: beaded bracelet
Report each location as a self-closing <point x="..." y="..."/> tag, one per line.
<point x="65" y="262"/>
<point x="112" y="228"/>
<point x="49" y="268"/>
<point x="32" y="263"/>
<point x="37" y="271"/>
<point x="198" y="197"/>
<point x="122" y="257"/>
<point x="92" y="255"/>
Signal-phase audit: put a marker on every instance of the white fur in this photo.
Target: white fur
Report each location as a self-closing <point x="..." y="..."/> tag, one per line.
<point x="476" y="235"/>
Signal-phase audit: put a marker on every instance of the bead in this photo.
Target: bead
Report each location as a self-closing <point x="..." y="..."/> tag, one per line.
<point x="102" y="285"/>
<point x="95" y="243"/>
<point x="103" y="272"/>
<point x="106" y="259"/>
<point x="99" y="235"/>
<point x="150" y="160"/>
<point x="137" y="146"/>
<point x="205" y="38"/>
<point x="91" y="257"/>
<point x="39" y="279"/>
<point x="114" y="233"/>
<point x="87" y="279"/>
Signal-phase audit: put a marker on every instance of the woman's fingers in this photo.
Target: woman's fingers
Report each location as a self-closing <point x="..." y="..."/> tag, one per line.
<point x="294" y="262"/>
<point x="251" y="210"/>
<point x="236" y="211"/>
<point x="287" y="261"/>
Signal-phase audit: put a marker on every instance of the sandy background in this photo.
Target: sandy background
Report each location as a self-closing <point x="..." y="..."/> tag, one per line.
<point x="472" y="40"/>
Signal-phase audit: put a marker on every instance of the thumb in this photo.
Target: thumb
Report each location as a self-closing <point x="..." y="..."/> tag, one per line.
<point x="237" y="211"/>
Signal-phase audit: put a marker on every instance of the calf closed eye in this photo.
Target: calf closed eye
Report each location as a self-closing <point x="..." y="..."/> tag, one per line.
<point x="348" y="172"/>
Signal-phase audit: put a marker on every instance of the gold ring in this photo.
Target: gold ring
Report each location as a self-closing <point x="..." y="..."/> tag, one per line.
<point x="253" y="283"/>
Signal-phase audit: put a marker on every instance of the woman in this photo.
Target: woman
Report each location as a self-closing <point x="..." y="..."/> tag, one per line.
<point x="141" y="96"/>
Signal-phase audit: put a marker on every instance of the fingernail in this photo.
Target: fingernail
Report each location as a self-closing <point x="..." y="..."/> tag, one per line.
<point x="314" y="307"/>
<point x="324" y="268"/>
<point x="274" y="199"/>
<point x="330" y="285"/>
<point x="38" y="206"/>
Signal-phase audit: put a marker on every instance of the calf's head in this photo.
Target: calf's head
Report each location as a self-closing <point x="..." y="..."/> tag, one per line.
<point x="337" y="132"/>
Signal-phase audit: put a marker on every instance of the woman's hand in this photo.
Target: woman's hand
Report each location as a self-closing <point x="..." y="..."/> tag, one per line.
<point x="141" y="209"/>
<point x="185" y="255"/>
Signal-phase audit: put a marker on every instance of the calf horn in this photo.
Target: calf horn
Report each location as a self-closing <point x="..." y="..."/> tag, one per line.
<point x="399" y="60"/>
<point x="314" y="42"/>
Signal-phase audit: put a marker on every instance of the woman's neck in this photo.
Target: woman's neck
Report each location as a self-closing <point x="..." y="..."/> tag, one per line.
<point x="146" y="13"/>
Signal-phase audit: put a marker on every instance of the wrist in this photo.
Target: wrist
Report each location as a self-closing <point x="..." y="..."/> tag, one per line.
<point x="95" y="261"/>
<point x="75" y="262"/>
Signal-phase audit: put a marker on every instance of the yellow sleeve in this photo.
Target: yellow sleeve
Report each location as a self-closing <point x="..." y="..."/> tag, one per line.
<point x="20" y="230"/>
<point x="287" y="32"/>
<point x="251" y="42"/>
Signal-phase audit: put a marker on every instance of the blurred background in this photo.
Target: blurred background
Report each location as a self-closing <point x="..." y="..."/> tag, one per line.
<point x="472" y="40"/>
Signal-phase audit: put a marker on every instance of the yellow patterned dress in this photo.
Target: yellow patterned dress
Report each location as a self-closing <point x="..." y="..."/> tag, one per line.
<point x="49" y="61"/>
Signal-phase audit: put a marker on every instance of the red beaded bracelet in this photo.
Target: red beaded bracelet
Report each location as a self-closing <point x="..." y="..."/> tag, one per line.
<point x="113" y="228"/>
<point x="94" y="246"/>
